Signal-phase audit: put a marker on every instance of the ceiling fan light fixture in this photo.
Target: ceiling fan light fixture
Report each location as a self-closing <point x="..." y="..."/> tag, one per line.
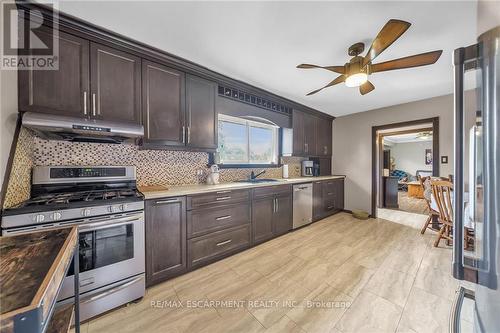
<point x="355" y="80"/>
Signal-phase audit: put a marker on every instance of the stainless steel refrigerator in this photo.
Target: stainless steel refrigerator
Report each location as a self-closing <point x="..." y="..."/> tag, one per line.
<point x="476" y="243"/>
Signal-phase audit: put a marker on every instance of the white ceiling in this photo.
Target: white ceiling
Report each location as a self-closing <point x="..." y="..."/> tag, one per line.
<point x="262" y="42"/>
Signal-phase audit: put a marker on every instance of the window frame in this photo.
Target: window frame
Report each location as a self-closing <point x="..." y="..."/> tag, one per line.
<point x="250" y="123"/>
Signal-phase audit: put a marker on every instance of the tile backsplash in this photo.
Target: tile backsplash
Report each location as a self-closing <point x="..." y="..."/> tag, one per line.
<point x="154" y="167"/>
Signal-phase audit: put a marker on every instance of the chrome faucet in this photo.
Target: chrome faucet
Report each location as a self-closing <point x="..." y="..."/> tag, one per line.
<point x="253" y="175"/>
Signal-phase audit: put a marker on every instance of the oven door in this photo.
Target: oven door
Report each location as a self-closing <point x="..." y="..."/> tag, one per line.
<point x="111" y="250"/>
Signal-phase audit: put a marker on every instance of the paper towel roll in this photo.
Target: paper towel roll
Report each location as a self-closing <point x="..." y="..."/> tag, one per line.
<point x="285" y="170"/>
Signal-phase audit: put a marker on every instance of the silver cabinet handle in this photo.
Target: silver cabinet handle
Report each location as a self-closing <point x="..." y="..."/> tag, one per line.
<point x="223" y="218"/>
<point x="277" y="205"/>
<point x="222" y="198"/>
<point x="93" y="105"/>
<point x="167" y="201"/>
<point x="223" y="192"/>
<point x="85" y="103"/>
<point x="306" y="147"/>
<point x="183" y="134"/>
<point x="274" y="205"/>
<point x="189" y="134"/>
<point x="111" y="291"/>
<point x="224" y="242"/>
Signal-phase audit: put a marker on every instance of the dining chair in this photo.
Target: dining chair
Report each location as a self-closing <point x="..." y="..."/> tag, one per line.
<point x="441" y="190"/>
<point x="425" y="182"/>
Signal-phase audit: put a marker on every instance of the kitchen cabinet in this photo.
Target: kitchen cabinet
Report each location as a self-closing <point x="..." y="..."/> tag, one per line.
<point x="312" y="135"/>
<point x="201" y="117"/>
<point x="298" y="132"/>
<point x="328" y="198"/>
<point x="163" y="96"/>
<point x="271" y="212"/>
<point x="165" y="239"/>
<point x="64" y="91"/>
<point x="324" y="137"/>
<point x="115" y="84"/>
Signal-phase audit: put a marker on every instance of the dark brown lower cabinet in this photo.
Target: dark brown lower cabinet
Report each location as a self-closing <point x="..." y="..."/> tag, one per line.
<point x="328" y="198"/>
<point x="165" y="239"/>
<point x="271" y="214"/>
<point x="262" y="219"/>
<point x="283" y="216"/>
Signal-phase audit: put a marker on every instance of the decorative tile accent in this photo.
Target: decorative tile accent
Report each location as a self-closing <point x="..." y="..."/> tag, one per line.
<point x="154" y="167"/>
<point x="19" y="187"/>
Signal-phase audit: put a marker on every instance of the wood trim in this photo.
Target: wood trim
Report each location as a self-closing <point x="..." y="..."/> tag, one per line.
<point x="81" y="28"/>
<point x="406" y="132"/>
<point x="435" y="151"/>
<point x="10" y="161"/>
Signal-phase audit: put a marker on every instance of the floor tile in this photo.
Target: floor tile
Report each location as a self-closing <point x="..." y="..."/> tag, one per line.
<point x="391" y="285"/>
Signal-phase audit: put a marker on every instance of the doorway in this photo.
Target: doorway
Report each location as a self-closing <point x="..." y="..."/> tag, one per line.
<point x="402" y="153"/>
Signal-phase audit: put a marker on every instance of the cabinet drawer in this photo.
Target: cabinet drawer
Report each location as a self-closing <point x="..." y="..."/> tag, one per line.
<point x="222" y="197"/>
<point x="204" y="220"/>
<point x="204" y="249"/>
<point x="272" y="190"/>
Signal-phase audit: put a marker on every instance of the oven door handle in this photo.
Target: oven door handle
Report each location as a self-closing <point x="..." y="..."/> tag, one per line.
<point x="111" y="291"/>
<point x="106" y="224"/>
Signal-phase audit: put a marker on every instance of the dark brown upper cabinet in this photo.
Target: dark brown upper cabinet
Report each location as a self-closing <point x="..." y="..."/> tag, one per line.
<point x="304" y="133"/>
<point x="298" y="132"/>
<point x="201" y="117"/>
<point x="163" y="95"/>
<point x="165" y="239"/>
<point x="324" y="137"/>
<point x="64" y="91"/>
<point x="115" y="84"/>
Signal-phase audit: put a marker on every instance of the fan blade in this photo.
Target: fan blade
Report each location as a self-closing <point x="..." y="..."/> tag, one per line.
<point x="336" y="69"/>
<point x="421" y="59"/>
<point x="391" y="31"/>
<point x="366" y="87"/>
<point x="337" y="80"/>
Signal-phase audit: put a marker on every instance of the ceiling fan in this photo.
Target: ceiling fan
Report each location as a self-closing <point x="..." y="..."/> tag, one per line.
<point x="355" y="72"/>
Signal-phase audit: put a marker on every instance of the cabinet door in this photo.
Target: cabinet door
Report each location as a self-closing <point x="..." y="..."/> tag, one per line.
<point x="64" y="91"/>
<point x="165" y="239"/>
<point x="298" y="132"/>
<point x="310" y="135"/>
<point x="201" y="115"/>
<point x="262" y="219"/>
<point x="339" y="194"/>
<point x="318" y="206"/>
<point x="115" y="84"/>
<point x="163" y="96"/>
<point x="282" y="215"/>
<point x="324" y="137"/>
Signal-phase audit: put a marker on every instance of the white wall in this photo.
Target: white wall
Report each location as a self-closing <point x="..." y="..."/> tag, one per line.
<point x="410" y="156"/>
<point x="488" y="15"/>
<point x="352" y="146"/>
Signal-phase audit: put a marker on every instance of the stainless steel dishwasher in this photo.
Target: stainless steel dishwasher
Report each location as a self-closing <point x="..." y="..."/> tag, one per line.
<point x="302" y="204"/>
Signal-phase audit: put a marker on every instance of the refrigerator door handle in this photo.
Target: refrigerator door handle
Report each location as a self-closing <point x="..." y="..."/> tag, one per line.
<point x="457" y="308"/>
<point x="464" y="59"/>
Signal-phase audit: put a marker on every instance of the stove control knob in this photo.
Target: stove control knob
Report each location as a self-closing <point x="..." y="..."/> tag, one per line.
<point x="112" y="209"/>
<point x="39" y="218"/>
<point x="56" y="216"/>
<point x="123" y="207"/>
<point x="85" y="212"/>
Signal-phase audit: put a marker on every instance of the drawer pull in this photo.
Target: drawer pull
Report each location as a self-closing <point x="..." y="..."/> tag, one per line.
<point x="224" y="242"/>
<point x="167" y="201"/>
<point x="329" y="207"/>
<point x="330" y="193"/>
<point x="223" y="198"/>
<point x="223" y="192"/>
<point x="223" y="218"/>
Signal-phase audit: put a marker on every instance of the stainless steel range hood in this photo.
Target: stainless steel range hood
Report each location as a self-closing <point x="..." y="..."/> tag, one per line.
<point x="55" y="127"/>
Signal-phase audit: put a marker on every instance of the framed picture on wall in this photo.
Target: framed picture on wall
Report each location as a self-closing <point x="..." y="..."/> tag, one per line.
<point x="428" y="156"/>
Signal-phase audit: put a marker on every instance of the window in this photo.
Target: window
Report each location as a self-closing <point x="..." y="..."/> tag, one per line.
<point x="243" y="141"/>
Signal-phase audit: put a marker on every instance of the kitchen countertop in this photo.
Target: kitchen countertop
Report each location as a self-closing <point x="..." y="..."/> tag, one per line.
<point x="181" y="190"/>
<point x="33" y="266"/>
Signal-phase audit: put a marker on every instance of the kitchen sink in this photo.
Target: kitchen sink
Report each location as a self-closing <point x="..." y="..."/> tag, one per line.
<point x="257" y="180"/>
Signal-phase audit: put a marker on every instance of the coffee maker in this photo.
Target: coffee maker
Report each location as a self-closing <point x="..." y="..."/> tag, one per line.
<point x="307" y="168"/>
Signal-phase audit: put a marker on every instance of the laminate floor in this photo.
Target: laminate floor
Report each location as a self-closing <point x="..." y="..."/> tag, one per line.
<point x="337" y="275"/>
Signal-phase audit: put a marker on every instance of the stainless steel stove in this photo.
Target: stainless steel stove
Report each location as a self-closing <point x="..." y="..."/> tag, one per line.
<point x="109" y="211"/>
